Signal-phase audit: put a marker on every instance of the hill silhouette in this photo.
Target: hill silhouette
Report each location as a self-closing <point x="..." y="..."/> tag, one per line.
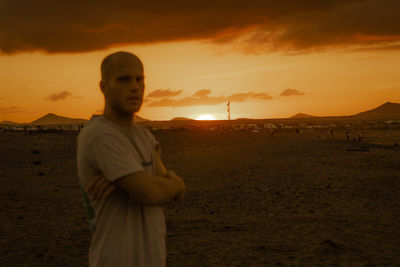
<point x="8" y="122"/>
<point x="387" y="111"/>
<point x="137" y="118"/>
<point x="181" y="119"/>
<point x="302" y="116"/>
<point x="51" y="119"/>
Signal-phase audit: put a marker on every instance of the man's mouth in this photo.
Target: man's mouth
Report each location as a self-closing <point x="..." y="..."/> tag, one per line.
<point x="134" y="98"/>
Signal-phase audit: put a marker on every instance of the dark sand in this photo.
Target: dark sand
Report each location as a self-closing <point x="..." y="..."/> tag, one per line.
<point x="252" y="200"/>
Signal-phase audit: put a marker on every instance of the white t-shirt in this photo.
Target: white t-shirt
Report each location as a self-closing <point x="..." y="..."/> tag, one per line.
<point x="125" y="233"/>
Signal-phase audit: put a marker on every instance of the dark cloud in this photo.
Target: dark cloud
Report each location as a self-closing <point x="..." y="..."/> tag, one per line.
<point x="164" y="93"/>
<point x="187" y="101"/>
<point x="202" y="93"/>
<point x="79" y="26"/>
<point x="8" y="110"/>
<point x="59" y="96"/>
<point x="202" y="97"/>
<point x="198" y="98"/>
<point x="244" y="96"/>
<point x="290" y="92"/>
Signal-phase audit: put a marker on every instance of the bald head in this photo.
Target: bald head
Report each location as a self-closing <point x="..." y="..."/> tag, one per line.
<point x="115" y="60"/>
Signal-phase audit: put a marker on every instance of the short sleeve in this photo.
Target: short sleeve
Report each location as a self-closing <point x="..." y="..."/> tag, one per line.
<point x="154" y="143"/>
<point x="109" y="155"/>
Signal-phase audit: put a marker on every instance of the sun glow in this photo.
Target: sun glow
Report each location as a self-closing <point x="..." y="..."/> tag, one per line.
<point x="205" y="117"/>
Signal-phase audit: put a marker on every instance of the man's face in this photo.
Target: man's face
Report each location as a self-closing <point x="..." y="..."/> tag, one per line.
<point x="123" y="87"/>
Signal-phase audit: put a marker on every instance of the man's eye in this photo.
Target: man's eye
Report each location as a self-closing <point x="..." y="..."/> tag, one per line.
<point x="139" y="78"/>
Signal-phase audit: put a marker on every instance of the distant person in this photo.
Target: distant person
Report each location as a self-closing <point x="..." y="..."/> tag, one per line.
<point x="120" y="171"/>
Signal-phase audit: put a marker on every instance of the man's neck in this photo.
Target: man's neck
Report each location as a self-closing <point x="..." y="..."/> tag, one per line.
<point x="123" y="120"/>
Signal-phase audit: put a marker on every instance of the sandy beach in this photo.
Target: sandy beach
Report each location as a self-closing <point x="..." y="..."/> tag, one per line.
<point x="252" y="200"/>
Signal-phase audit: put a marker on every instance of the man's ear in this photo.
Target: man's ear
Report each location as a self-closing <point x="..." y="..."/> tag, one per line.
<point x="102" y="86"/>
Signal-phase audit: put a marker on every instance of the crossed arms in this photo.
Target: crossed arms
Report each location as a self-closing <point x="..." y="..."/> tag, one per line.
<point x="145" y="189"/>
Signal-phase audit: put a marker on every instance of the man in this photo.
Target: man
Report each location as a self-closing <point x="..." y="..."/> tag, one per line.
<point x="116" y="159"/>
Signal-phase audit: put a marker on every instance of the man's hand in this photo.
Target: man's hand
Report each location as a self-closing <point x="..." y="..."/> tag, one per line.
<point x="99" y="188"/>
<point x="172" y="175"/>
<point x="162" y="171"/>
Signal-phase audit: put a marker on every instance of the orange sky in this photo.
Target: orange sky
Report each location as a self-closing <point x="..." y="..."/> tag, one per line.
<point x="193" y="67"/>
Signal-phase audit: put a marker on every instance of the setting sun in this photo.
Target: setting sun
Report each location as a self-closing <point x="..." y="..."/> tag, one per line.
<point x="205" y="117"/>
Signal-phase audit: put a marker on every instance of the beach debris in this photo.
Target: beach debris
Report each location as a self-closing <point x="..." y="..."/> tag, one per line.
<point x="37" y="162"/>
<point x="35" y="151"/>
<point x="41" y="173"/>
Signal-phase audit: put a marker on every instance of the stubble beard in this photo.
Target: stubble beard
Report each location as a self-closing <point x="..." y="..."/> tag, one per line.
<point x="126" y="112"/>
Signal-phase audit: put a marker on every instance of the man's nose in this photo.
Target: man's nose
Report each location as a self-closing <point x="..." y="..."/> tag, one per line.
<point x="134" y="86"/>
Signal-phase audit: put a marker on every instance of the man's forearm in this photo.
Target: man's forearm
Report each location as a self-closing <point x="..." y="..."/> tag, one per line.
<point x="150" y="190"/>
<point x="164" y="190"/>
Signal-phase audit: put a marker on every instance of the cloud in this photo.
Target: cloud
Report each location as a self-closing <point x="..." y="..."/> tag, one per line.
<point x="202" y="93"/>
<point x="290" y="92"/>
<point x="8" y="110"/>
<point x="244" y="96"/>
<point x="202" y="97"/>
<point x="257" y="25"/>
<point x="59" y="96"/>
<point x="164" y="93"/>
<point x="198" y="98"/>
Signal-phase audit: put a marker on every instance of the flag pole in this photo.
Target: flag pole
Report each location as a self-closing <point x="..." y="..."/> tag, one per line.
<point x="229" y="113"/>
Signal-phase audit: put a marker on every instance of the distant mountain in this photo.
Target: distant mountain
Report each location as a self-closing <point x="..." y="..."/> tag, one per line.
<point x="181" y="119"/>
<point x="51" y="119"/>
<point x="8" y="122"/>
<point x="137" y="118"/>
<point x="301" y="116"/>
<point x="387" y="111"/>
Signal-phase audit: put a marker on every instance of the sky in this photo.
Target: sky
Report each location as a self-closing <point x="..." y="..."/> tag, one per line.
<point x="271" y="58"/>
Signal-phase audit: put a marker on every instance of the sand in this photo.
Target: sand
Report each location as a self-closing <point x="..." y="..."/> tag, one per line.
<point x="252" y="200"/>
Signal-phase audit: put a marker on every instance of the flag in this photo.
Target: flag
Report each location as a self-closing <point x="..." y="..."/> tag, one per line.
<point x="229" y="109"/>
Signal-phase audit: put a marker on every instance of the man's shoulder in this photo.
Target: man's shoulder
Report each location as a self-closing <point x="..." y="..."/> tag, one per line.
<point x="144" y="131"/>
<point x="139" y="128"/>
<point x="95" y="128"/>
